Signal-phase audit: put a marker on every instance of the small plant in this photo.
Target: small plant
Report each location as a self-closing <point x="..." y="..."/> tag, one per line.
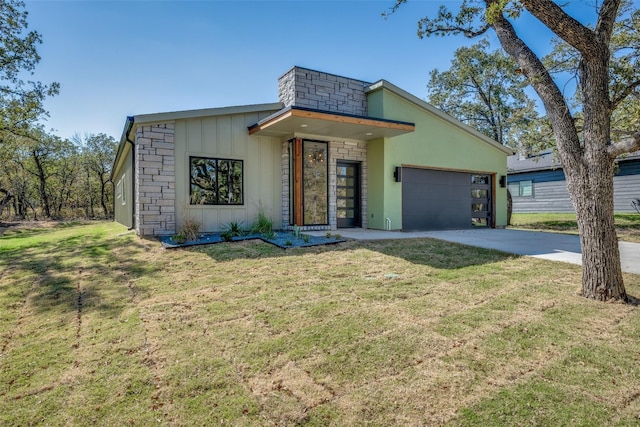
<point x="288" y="243"/>
<point x="271" y="235"/>
<point x="179" y="238"/>
<point x="190" y="228"/>
<point x="262" y="225"/>
<point x="296" y="231"/>
<point x="234" y="229"/>
<point x="227" y="236"/>
<point x="306" y="238"/>
<point x="337" y="236"/>
<point x="328" y="235"/>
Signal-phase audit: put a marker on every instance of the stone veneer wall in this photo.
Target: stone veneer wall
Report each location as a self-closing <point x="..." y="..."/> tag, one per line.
<point x="351" y="151"/>
<point x="301" y="87"/>
<point x="155" y="191"/>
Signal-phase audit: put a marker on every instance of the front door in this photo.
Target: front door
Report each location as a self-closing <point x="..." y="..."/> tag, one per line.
<point x="348" y="194"/>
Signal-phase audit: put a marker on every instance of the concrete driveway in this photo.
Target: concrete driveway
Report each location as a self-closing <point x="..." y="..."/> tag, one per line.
<point x="551" y="246"/>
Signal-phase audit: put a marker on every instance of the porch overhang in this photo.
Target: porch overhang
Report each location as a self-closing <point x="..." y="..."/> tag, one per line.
<point x="292" y="120"/>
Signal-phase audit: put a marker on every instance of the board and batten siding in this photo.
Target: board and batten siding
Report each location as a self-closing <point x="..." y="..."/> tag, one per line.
<point x="226" y="137"/>
<point x="550" y="192"/>
<point x="123" y="189"/>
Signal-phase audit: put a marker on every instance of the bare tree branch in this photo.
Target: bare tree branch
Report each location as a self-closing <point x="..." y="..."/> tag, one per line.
<point x="628" y="90"/>
<point x="628" y="146"/>
<point x="564" y="25"/>
<point x="540" y="79"/>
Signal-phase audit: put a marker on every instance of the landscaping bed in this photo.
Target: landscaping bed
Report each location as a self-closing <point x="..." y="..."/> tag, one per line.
<point x="281" y="239"/>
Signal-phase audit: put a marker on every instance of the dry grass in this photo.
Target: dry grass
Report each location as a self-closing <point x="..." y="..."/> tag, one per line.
<point x="103" y="328"/>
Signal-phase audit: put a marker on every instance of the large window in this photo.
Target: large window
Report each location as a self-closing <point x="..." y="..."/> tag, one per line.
<point x="215" y="181"/>
<point x="315" y="183"/>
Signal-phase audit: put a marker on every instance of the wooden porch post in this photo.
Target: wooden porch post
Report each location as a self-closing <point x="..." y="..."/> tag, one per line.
<point x="298" y="217"/>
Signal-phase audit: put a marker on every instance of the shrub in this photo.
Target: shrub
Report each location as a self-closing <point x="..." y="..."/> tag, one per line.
<point x="306" y="238"/>
<point x="262" y="225"/>
<point x="234" y="229"/>
<point x="190" y="228"/>
<point x="179" y="238"/>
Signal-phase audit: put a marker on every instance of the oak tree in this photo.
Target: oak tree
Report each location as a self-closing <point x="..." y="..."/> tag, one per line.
<point x="483" y="89"/>
<point x="20" y="102"/>
<point x="587" y="151"/>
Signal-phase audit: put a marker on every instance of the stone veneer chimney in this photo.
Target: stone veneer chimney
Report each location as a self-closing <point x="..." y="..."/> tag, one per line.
<point x="301" y="87"/>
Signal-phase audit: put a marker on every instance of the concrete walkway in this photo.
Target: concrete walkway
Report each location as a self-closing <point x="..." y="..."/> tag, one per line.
<point x="538" y="244"/>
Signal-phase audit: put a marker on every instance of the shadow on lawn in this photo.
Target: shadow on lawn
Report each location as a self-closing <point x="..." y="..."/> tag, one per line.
<point x="61" y="276"/>
<point x="425" y="251"/>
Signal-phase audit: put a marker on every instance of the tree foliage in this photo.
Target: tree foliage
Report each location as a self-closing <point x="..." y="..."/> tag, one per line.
<point x="42" y="175"/>
<point x="624" y="84"/>
<point x="605" y="83"/>
<point x="50" y="177"/>
<point x="20" y="101"/>
<point x="485" y="90"/>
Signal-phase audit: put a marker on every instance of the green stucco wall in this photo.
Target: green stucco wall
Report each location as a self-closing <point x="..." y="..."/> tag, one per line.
<point x="435" y="143"/>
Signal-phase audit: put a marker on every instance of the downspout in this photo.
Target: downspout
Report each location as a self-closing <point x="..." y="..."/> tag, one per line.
<point x="129" y="126"/>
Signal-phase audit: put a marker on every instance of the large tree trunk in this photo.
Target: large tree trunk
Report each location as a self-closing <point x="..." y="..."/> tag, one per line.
<point x="587" y="161"/>
<point x="601" y="271"/>
<point x="42" y="184"/>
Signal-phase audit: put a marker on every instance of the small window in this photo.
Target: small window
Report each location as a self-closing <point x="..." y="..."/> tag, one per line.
<point x="480" y="179"/>
<point x="216" y="181"/>
<point x="521" y="189"/>
<point x="122" y="190"/>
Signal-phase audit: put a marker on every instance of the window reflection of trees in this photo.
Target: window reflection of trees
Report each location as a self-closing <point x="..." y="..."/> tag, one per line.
<point x="315" y="183"/>
<point x="215" y="181"/>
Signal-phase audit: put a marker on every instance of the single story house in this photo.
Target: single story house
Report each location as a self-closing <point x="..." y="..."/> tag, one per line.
<point x="537" y="183"/>
<point x="334" y="152"/>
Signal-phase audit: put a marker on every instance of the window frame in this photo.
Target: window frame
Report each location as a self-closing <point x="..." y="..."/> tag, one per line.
<point x="121" y="187"/>
<point x="521" y="187"/>
<point x="217" y="160"/>
<point x="326" y="171"/>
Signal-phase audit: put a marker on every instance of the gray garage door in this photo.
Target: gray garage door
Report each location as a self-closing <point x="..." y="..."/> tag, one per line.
<point x="441" y="200"/>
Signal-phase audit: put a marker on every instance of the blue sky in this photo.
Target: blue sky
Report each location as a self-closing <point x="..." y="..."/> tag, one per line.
<point x="119" y="58"/>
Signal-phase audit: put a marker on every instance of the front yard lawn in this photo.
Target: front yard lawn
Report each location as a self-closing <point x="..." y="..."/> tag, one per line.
<point x="99" y="327"/>
<point x="627" y="224"/>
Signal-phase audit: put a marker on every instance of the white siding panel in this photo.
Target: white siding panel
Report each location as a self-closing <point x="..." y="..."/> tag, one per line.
<point x="210" y="135"/>
<point x="194" y="135"/>
<point x="224" y="136"/>
<point x="227" y="137"/>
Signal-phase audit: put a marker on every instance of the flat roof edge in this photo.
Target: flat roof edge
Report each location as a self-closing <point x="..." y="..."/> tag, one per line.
<point x="335" y="113"/>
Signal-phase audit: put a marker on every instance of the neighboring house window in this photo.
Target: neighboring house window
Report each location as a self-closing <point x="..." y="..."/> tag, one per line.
<point x="215" y="181"/>
<point x="521" y="189"/>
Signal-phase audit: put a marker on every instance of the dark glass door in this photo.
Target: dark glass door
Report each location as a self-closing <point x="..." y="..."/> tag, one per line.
<point x="481" y="200"/>
<point x="348" y="194"/>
